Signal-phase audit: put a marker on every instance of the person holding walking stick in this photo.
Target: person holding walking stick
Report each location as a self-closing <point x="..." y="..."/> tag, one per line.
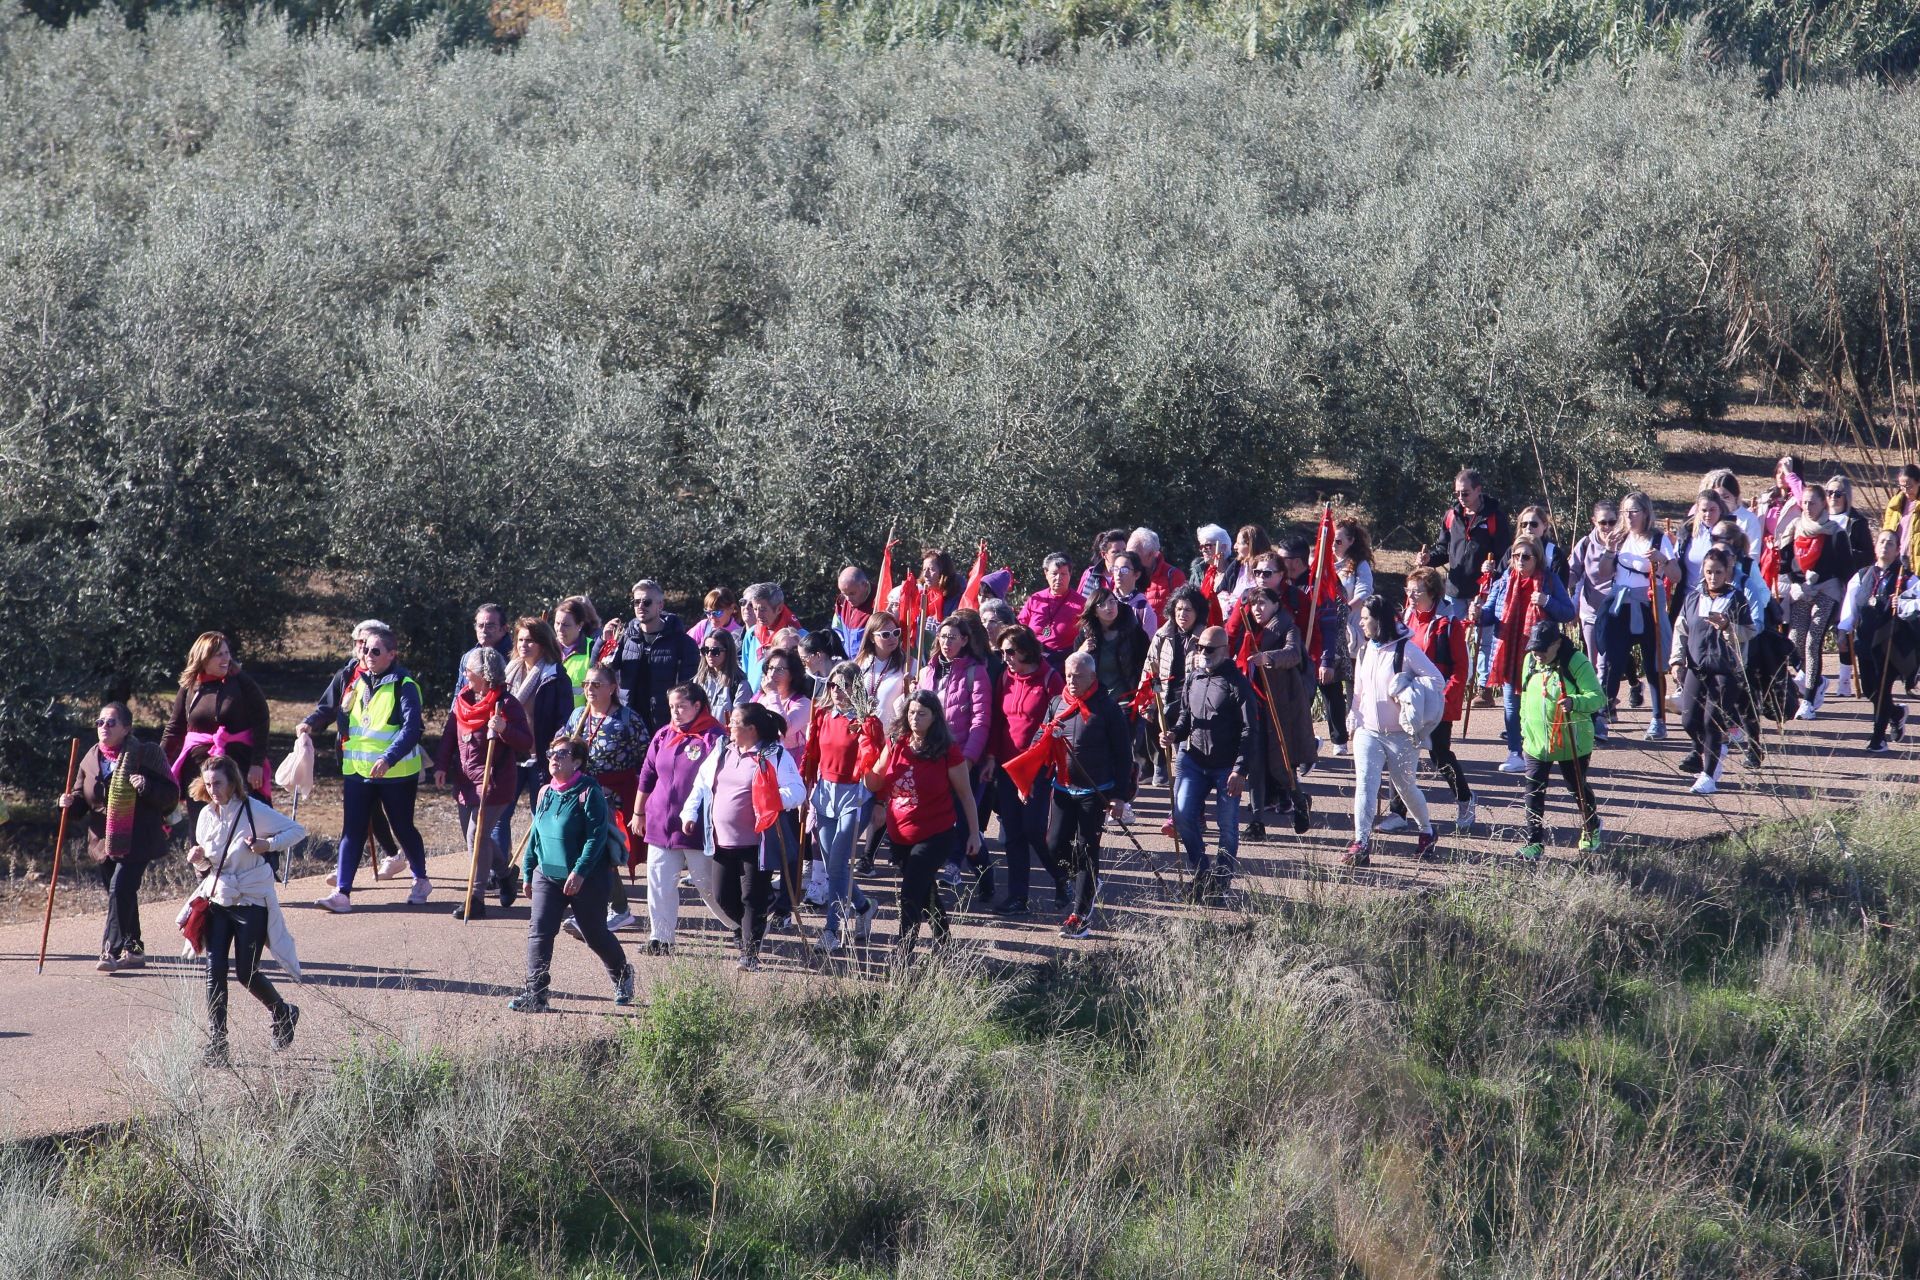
<point x="486" y="733"/>
<point x="1094" y="775"/>
<point x="1214" y="724"/>
<point x="1559" y="694"/>
<point x="128" y="791"/>
<point x="59" y="841"/>
<point x="1273" y="655"/>
<point x="1710" y="635"/>
<point x="923" y="781"/>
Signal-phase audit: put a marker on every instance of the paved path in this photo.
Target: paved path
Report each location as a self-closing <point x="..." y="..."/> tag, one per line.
<point x="78" y="1047"/>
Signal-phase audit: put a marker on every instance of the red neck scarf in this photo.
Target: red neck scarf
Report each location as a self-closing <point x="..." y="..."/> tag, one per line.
<point x="472" y="714"/>
<point x="702" y="724"/>
<point x="765" y="633"/>
<point x="1511" y="649"/>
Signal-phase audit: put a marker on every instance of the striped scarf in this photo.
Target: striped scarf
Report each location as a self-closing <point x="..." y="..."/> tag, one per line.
<point x="120" y="802"/>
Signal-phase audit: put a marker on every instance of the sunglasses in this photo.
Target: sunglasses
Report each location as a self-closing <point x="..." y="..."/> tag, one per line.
<point x="105" y="722"/>
<point x="1531" y="524"/>
<point x="713" y="648"/>
<point x="1265" y="573"/>
<point x="560" y="753"/>
<point x="1606" y="524"/>
<point x="373" y="651"/>
<point x="1210" y="648"/>
<point x="645" y="602"/>
<point x="716" y="613"/>
<point x="886" y="635"/>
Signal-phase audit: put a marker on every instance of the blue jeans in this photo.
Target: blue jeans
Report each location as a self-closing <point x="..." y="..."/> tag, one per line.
<point x="839" y="815"/>
<point x="502" y="831"/>
<point x="358" y="797"/>
<point x="1510" y="706"/>
<point x="1191" y="783"/>
<point x="1023" y="830"/>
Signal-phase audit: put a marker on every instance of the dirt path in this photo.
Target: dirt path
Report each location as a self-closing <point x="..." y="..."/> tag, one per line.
<point x="79" y="1047"/>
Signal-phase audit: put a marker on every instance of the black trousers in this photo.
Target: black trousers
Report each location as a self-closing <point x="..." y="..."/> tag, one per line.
<point x="1440" y="751"/>
<point x="121" y="880"/>
<point x="241" y="932"/>
<point x="1711" y="704"/>
<point x="745" y="892"/>
<point x="1333" y="695"/>
<point x="1872" y="680"/>
<point x="589" y="907"/>
<point x="920" y="864"/>
<point x="1575" y="772"/>
<point x="1073" y="845"/>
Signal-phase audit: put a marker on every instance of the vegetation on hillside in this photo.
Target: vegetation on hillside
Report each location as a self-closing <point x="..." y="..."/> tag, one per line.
<point x="1685" y="1063"/>
<point x="507" y="327"/>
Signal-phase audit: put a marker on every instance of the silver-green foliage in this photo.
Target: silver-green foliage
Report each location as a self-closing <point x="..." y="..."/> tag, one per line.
<point x="512" y="326"/>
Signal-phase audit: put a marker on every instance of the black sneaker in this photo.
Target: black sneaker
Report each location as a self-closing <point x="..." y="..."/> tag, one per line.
<point x="509" y="887"/>
<point x="1199" y="887"/>
<point x="1255" y="830"/>
<point x="1753" y="754"/>
<point x="863" y="865"/>
<point x="655" y="947"/>
<point x="1302" y="814"/>
<point x="1011" y="907"/>
<point x="1636" y="695"/>
<point x="983" y="885"/>
<point x="216" y="1054"/>
<point x="479" y="911"/>
<point x="1689" y="763"/>
<point x="527" y="1002"/>
<point x="623" y="986"/>
<point x="285" y="1019"/>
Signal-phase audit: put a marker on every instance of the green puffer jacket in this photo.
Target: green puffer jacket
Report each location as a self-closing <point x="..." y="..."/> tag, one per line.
<point x="1540" y="687"/>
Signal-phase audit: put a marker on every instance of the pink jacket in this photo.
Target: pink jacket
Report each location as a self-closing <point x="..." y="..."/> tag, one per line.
<point x="965" y="690"/>
<point x="1054" y="618"/>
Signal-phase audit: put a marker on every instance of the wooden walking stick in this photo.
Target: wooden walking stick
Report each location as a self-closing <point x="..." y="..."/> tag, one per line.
<point x="479" y="825"/>
<point x="53" y="882"/>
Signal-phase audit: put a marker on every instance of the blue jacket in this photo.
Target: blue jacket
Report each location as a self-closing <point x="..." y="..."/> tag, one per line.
<point x="1559" y="606"/>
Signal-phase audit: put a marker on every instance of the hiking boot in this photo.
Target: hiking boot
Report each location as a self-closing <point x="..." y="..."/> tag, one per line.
<point x="1302" y="814"/>
<point x="1426" y="848"/>
<point x="527" y="1002"/>
<point x="509" y="887"/>
<point x="1358" y="854"/>
<point x="285" y="1019"/>
<point x="623" y="986"/>
<point x="1530" y="853"/>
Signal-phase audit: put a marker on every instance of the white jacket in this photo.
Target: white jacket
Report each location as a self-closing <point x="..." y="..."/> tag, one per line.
<point x="245" y="879"/>
<point x="1376" y="705"/>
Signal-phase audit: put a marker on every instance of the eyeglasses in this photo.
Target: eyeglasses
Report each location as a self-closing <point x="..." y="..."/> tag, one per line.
<point x="779" y="667"/>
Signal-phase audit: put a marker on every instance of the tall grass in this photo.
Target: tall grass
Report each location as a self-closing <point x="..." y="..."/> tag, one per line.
<point x="1694" y="1063"/>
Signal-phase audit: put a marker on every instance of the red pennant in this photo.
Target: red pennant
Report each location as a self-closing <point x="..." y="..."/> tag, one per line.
<point x="766" y="796"/>
<point x="909" y="609"/>
<point x="1325" y="579"/>
<point x="883" y="587"/>
<point x="970" y="598"/>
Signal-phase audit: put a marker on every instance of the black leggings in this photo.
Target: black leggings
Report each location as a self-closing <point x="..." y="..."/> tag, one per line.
<point x="1575" y="772"/>
<point x="243" y="930"/>
<point x="1073" y="845"/>
<point x="1334" y="695"/>
<point x="920" y="864"/>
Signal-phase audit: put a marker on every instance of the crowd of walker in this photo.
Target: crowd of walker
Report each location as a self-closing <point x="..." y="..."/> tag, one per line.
<point x="765" y="765"/>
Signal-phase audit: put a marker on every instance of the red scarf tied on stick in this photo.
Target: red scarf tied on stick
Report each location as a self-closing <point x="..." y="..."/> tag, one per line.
<point x="767" y="805"/>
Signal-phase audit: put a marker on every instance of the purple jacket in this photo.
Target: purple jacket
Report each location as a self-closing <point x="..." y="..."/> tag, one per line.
<point x="965" y="690"/>
<point x="666" y="779"/>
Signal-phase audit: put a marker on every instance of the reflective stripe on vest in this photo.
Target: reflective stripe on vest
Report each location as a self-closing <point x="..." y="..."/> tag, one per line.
<point x="373" y="725"/>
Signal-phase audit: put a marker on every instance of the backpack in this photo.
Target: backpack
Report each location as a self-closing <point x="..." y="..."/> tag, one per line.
<point x="1422" y="699"/>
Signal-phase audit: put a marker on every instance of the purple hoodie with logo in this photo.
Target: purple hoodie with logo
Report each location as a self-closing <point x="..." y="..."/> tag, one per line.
<point x="666" y="778"/>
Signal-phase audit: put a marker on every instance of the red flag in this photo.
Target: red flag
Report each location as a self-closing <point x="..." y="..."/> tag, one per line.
<point x="1325" y="580"/>
<point x="1025" y="769"/>
<point x="766" y="796"/>
<point x="884" y="586"/>
<point x="909" y="609"/>
<point x="970" y="598"/>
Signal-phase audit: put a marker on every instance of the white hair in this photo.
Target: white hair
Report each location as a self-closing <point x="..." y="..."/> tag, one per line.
<point x="1212" y="533"/>
<point x="360" y="629"/>
<point x="1145" y="537"/>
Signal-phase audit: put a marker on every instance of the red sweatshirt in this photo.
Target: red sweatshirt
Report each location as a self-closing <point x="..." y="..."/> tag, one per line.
<point x="1019" y="709"/>
<point x="840" y="750"/>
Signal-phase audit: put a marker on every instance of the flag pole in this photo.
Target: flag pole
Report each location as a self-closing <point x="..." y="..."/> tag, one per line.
<point x="479" y="822"/>
<point x="53" y="882"/>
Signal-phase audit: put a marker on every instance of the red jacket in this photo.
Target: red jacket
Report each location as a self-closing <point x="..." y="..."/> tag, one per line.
<point x="1020" y="708"/>
<point x="1161" y="583"/>
<point x="1444" y="640"/>
<point x="838" y="749"/>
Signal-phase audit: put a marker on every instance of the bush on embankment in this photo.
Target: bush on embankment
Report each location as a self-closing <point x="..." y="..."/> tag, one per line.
<point x="1701" y="1062"/>
<point x="507" y="327"/>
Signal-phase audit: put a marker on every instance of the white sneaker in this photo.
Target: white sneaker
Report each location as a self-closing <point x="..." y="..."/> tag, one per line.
<point x="1391" y="823"/>
<point x="571" y="928"/>
<point x="1844" y="684"/>
<point x="333" y="879"/>
<point x="1806" y="712"/>
<point x="1336" y="748"/>
<point x="391" y="866"/>
<point x="1819" y="694"/>
<point x="826" y="943"/>
<point x="336" y="902"/>
<point x="617" y="920"/>
<point x="1514" y="763"/>
<point x="418" y="894"/>
<point x="1464" y="817"/>
<point x="1704" y="785"/>
<point x="1124" y="815"/>
<point x="1657" y="730"/>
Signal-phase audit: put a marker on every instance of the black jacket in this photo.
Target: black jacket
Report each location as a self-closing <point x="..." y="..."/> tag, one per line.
<point x="1100" y="752"/>
<point x="650" y="665"/>
<point x="1215" y="718"/>
<point x="1469" y="541"/>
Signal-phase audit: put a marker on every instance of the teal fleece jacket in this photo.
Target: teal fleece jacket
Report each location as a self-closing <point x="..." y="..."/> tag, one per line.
<point x="569" y="830"/>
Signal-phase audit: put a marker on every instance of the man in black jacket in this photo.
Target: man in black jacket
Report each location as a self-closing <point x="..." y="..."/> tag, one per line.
<point x="1098" y="774"/>
<point x="1473" y="530"/>
<point x="1214" y="718"/>
<point x="655" y="654"/>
